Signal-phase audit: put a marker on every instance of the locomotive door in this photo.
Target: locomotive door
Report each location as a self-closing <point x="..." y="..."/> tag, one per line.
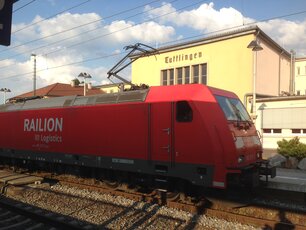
<point x="162" y="132"/>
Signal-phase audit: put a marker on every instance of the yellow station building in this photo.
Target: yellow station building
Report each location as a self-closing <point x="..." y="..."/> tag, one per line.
<point x="224" y="61"/>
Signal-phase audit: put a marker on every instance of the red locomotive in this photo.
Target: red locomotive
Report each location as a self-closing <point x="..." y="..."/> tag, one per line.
<point x="193" y="133"/>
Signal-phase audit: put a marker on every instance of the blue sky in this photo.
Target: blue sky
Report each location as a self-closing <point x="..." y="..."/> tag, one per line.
<point x="70" y="37"/>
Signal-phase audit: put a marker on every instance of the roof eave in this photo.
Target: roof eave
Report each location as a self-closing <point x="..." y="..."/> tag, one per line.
<point x="222" y="36"/>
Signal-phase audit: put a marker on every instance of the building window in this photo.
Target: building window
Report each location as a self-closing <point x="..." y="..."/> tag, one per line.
<point x="204" y="74"/>
<point x="195" y="73"/>
<point x="272" y="130"/>
<point x="171" y="77"/>
<point x="185" y="75"/>
<point x="267" y="130"/>
<point x="277" y="130"/>
<point x="179" y="75"/>
<point x="164" y="77"/>
<point x="298" y="92"/>
<point x="298" y="70"/>
<point x="298" y="131"/>
<point x="295" y="131"/>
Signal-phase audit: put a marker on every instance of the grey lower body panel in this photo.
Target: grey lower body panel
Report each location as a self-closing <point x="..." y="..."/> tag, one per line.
<point x="197" y="174"/>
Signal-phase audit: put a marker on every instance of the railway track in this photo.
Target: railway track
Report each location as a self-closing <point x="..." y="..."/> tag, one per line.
<point x="17" y="215"/>
<point x="281" y="219"/>
<point x="203" y="206"/>
<point x="13" y="220"/>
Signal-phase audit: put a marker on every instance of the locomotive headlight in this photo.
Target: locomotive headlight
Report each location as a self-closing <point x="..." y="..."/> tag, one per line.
<point x="240" y="159"/>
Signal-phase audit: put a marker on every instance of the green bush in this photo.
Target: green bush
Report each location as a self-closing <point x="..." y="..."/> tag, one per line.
<point x="292" y="148"/>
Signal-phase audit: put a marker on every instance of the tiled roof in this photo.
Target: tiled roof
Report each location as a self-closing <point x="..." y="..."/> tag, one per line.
<point x="60" y="89"/>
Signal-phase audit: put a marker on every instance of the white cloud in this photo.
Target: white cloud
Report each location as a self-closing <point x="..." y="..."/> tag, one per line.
<point x="66" y="21"/>
<point x="11" y="79"/>
<point x="205" y="18"/>
<point x="47" y="35"/>
<point x="288" y="34"/>
<point x="48" y="74"/>
<point x="20" y="82"/>
<point x="58" y="51"/>
<point x="100" y="36"/>
<point x="148" y="32"/>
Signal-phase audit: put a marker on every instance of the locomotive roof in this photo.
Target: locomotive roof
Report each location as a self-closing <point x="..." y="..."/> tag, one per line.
<point x="196" y="92"/>
<point x="56" y="102"/>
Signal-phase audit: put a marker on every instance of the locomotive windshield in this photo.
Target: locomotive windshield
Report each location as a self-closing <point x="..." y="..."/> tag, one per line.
<point x="233" y="109"/>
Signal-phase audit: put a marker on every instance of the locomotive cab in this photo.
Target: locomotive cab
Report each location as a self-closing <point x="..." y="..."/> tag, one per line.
<point x="246" y="164"/>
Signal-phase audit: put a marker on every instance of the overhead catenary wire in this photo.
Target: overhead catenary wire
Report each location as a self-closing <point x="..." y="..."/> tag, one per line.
<point x="72" y="28"/>
<point x="128" y="27"/>
<point x="85" y="33"/>
<point x="96" y="58"/>
<point x="236" y="27"/>
<point x="37" y="22"/>
<point x="21" y="7"/>
<point x="217" y="31"/>
<point x="64" y="65"/>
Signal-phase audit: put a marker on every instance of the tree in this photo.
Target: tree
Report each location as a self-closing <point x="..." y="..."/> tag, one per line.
<point x="75" y="82"/>
<point x="292" y="148"/>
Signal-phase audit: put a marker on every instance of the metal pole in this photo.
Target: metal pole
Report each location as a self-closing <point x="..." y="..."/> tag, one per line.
<point x="292" y="74"/>
<point x="4" y="90"/>
<point x="84" y="75"/>
<point x="255" y="46"/>
<point x="84" y="86"/>
<point x="254" y="83"/>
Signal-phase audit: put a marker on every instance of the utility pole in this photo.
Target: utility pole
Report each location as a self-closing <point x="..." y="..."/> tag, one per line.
<point x="34" y="75"/>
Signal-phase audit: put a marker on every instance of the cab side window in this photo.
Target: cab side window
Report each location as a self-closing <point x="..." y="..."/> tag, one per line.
<point x="183" y="112"/>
